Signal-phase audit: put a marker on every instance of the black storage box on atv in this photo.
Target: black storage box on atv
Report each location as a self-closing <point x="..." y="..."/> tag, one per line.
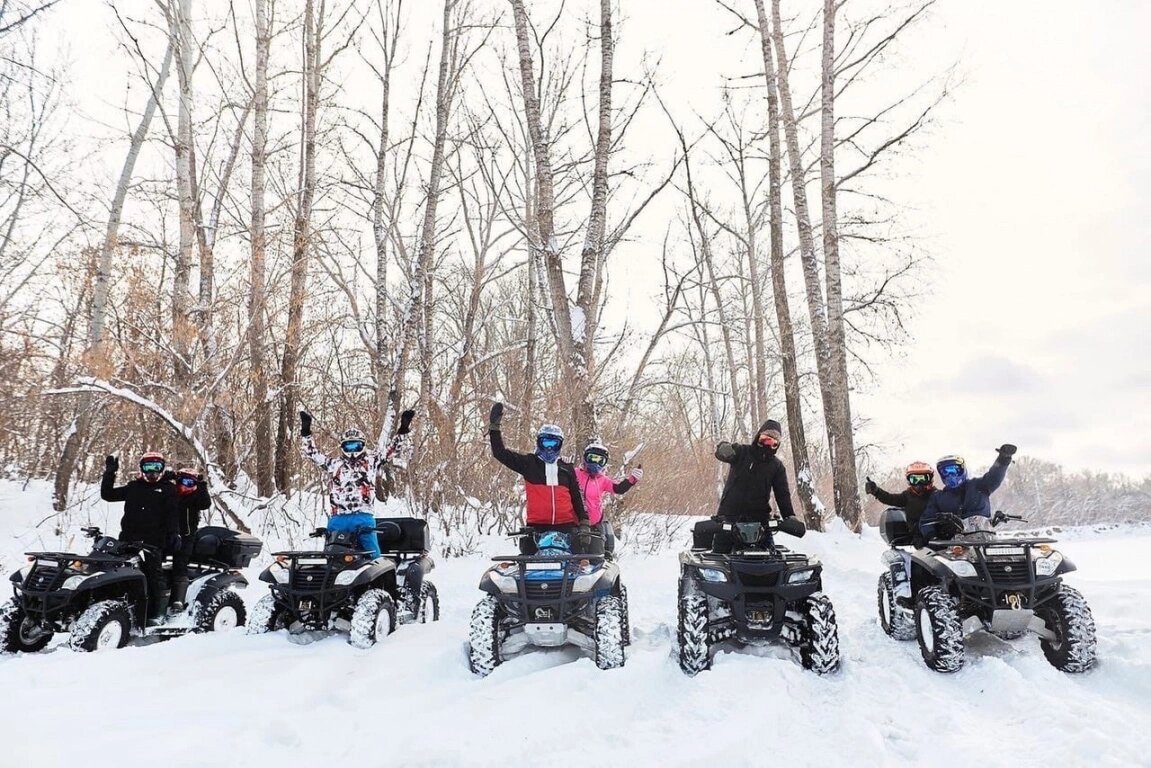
<point x="398" y="535"/>
<point x="894" y="529"/>
<point x="216" y="544"/>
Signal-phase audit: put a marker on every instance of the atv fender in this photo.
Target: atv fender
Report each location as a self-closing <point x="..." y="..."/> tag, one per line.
<point x="1065" y="567"/>
<point x="206" y="587"/>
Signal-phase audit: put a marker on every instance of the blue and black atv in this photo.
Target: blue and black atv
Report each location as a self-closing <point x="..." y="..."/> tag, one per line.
<point x="342" y="588"/>
<point x="977" y="580"/>
<point x="550" y="598"/>
<point x="102" y="599"/>
<point x="751" y="591"/>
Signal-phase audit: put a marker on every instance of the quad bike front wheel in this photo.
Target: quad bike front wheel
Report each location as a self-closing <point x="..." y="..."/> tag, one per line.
<point x="373" y="619"/>
<point x="939" y="630"/>
<point x="895" y="620"/>
<point x="266" y="616"/>
<point x="1069" y="618"/>
<point x="626" y="615"/>
<point x="18" y="633"/>
<point x="609" y="620"/>
<point x="484" y="637"/>
<point x="224" y="610"/>
<point x="694" y="647"/>
<point x="104" y="626"/>
<point x="819" y="635"/>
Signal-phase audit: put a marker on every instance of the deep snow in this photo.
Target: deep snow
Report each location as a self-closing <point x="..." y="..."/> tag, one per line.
<point x="238" y="700"/>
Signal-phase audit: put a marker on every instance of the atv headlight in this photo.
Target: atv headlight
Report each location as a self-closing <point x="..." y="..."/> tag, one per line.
<point x="74" y="582"/>
<point x="1046" y="566"/>
<point x="280" y="574"/>
<point x="713" y="575"/>
<point x="344" y="578"/>
<point x="961" y="568"/>
<point x="26" y="570"/>
<point x="584" y="582"/>
<point x="505" y="584"/>
<point x="798" y="577"/>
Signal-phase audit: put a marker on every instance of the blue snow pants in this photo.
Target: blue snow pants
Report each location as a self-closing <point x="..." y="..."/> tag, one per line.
<point x="363" y="523"/>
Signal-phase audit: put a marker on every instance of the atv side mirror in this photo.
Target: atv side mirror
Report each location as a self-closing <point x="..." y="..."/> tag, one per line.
<point x="91" y="532"/>
<point x="793" y="526"/>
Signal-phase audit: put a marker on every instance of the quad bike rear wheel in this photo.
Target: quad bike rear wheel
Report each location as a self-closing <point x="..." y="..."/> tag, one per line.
<point x="224" y="610"/>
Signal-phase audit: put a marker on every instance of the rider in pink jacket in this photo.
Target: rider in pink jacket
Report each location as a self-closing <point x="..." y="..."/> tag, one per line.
<point x="594" y="483"/>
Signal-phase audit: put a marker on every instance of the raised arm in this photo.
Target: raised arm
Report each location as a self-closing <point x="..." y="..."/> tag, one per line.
<point x="729" y="453"/>
<point x="890" y="499"/>
<point x="108" y="491"/>
<point x="998" y="471"/>
<point x="629" y="482"/>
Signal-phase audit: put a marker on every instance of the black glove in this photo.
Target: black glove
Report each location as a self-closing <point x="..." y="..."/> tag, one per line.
<point x="583" y="538"/>
<point x="870" y="487"/>
<point x="406" y="422"/>
<point x="497" y="415"/>
<point x="168" y="476"/>
<point x="305" y="424"/>
<point x="111" y="464"/>
<point x="948" y="526"/>
<point x="1006" y="451"/>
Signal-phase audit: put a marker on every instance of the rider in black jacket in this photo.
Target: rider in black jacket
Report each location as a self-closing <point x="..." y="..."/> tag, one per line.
<point x="193" y="499"/>
<point x="150" y="511"/>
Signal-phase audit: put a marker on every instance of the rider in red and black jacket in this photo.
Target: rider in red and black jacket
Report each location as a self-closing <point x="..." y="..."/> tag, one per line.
<point x="553" y="495"/>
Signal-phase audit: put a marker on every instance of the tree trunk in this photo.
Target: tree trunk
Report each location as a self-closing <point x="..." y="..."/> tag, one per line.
<point x="843" y="457"/>
<point x="182" y="324"/>
<point x="257" y="297"/>
<point x="801" y="457"/>
<point x="79" y="432"/>
<point x="301" y="236"/>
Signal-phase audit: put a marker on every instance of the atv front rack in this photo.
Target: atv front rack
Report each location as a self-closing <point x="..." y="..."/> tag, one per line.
<point x="551" y="600"/>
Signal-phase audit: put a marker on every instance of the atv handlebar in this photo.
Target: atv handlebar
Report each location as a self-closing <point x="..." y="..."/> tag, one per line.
<point x="1002" y="517"/>
<point x="91" y="532"/>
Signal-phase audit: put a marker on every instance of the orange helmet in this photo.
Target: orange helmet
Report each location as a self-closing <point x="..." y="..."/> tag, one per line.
<point x="187" y="481"/>
<point x="920" y="474"/>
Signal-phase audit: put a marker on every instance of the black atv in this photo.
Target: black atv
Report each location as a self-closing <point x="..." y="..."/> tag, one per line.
<point x="755" y="593"/>
<point x="341" y="587"/>
<point x="547" y="599"/>
<point x="978" y="581"/>
<point x="102" y="599"/>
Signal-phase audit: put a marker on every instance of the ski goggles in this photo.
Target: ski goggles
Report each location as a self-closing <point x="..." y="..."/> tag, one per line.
<point x="352" y="446"/>
<point x="550" y="443"/>
<point x="185" y="481"/>
<point x="919" y="478"/>
<point x="952" y="470"/>
<point x="152" y="466"/>
<point x="595" y="458"/>
<point x="767" y="441"/>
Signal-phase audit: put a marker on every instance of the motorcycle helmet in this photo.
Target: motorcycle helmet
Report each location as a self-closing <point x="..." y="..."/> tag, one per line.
<point x="595" y="457"/>
<point x="549" y="441"/>
<point x="187" y="481"/>
<point x="920" y="475"/>
<point x="152" y="466"/>
<point x="952" y="471"/>
<point x="352" y="443"/>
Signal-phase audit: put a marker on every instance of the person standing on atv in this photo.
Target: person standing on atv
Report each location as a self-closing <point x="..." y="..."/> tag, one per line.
<point x="150" y="512"/>
<point x="352" y="476"/>
<point x="961" y="498"/>
<point x="594" y="484"/>
<point x="554" y="501"/>
<point x="193" y="496"/>
<point x="754" y="477"/>
<point x="912" y="500"/>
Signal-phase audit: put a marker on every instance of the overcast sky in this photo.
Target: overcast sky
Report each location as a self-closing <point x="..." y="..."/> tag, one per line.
<point x="1033" y="194"/>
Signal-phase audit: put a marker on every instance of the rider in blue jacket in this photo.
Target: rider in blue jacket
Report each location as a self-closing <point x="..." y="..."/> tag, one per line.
<point x="961" y="497"/>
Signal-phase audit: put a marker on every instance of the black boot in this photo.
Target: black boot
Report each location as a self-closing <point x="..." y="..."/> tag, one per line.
<point x="179" y="593"/>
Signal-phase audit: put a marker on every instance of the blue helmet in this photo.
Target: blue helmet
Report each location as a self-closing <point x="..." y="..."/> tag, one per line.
<point x="549" y="441"/>
<point x="952" y="471"/>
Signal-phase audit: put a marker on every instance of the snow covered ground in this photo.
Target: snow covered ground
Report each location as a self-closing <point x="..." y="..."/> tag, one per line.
<point x="235" y="700"/>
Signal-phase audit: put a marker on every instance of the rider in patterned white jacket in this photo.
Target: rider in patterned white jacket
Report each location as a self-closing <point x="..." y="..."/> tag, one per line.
<point x="352" y="476"/>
